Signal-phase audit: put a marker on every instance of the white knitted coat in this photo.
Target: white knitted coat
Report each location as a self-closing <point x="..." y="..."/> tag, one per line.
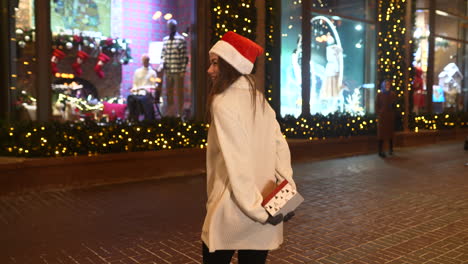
<point x="244" y="154"/>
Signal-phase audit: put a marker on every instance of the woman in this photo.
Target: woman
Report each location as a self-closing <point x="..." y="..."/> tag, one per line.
<point x="246" y="153"/>
<point x="385" y="108"/>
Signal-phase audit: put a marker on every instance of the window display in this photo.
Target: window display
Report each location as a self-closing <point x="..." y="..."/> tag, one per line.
<point x="341" y="73"/>
<point x="363" y="9"/>
<point x="449" y="67"/>
<point x="448" y="77"/>
<point x="94" y="42"/>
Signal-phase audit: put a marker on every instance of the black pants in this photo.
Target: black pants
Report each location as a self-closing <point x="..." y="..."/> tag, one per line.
<point x="390" y="146"/>
<point x="140" y="104"/>
<point x="224" y="256"/>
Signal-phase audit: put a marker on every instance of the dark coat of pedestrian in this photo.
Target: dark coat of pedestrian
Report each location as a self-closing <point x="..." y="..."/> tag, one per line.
<point x="385" y="109"/>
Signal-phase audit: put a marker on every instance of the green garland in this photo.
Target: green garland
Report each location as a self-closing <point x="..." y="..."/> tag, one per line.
<point x="438" y="121"/>
<point x="26" y="139"/>
<point x="329" y="126"/>
<point x="31" y="139"/>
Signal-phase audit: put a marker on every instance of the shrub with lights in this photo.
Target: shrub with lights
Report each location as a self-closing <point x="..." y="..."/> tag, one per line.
<point x="32" y="139"/>
<point x="322" y="127"/>
<point x="91" y="138"/>
<point x="438" y="121"/>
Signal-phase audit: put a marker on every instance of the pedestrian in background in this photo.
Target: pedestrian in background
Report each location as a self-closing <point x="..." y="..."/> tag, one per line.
<point x="246" y="152"/>
<point x="385" y="108"/>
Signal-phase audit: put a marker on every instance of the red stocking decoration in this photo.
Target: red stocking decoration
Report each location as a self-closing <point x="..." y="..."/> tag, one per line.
<point x="81" y="57"/>
<point x="102" y="59"/>
<point x="56" y="56"/>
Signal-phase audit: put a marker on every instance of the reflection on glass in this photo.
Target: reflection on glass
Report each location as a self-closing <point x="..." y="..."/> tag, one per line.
<point x="446" y="25"/>
<point x="456" y="7"/>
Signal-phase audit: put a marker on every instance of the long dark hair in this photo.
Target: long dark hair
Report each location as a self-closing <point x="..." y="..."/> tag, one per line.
<point x="227" y="75"/>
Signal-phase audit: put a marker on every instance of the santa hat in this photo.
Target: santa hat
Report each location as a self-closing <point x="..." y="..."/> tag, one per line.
<point x="240" y="52"/>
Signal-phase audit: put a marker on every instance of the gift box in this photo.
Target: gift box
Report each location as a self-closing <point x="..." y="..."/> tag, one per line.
<point x="282" y="200"/>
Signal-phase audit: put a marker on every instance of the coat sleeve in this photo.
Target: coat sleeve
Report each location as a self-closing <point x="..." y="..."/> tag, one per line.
<point x="283" y="167"/>
<point x="239" y="162"/>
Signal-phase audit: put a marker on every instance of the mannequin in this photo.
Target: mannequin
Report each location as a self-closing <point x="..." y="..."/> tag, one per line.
<point x="331" y="87"/>
<point x="141" y="99"/>
<point x="174" y="62"/>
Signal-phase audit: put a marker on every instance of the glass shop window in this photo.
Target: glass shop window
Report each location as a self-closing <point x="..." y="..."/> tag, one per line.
<point x="342" y="74"/>
<point x="107" y="55"/>
<point x="420" y="63"/>
<point x="455" y="7"/>
<point x="342" y="65"/>
<point x="449" y="69"/>
<point x="363" y="9"/>
<point x="24" y="95"/>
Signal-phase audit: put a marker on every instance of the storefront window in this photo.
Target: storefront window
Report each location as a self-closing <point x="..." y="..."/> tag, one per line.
<point x="449" y="66"/>
<point x="363" y="9"/>
<point x="342" y="65"/>
<point x="421" y="44"/>
<point x="339" y="64"/>
<point x="97" y="49"/>
<point x="25" y="92"/>
<point x="456" y="7"/>
<point x="449" y="72"/>
<point x="446" y="25"/>
<point x="291" y="58"/>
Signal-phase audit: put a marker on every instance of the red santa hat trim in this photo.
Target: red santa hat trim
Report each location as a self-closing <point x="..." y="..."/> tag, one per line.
<point x="240" y="52"/>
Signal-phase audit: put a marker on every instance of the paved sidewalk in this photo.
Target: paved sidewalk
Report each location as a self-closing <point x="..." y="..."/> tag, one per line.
<point x="410" y="208"/>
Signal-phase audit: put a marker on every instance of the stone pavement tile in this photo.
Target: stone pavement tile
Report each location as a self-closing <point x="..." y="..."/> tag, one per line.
<point x="398" y="261"/>
<point x="407" y="209"/>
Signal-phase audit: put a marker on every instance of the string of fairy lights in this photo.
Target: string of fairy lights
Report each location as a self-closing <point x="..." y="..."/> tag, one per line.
<point x="391" y="36"/>
<point x="89" y="138"/>
<point x="319" y="127"/>
<point x="234" y="15"/>
<point x="269" y="48"/>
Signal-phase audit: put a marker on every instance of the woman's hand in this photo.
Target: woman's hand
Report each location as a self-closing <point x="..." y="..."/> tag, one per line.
<point x="288" y="216"/>
<point x="274" y="220"/>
